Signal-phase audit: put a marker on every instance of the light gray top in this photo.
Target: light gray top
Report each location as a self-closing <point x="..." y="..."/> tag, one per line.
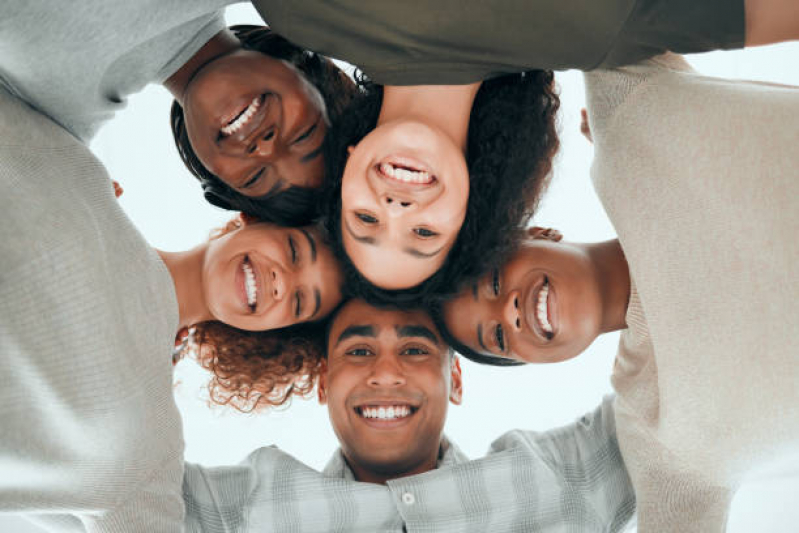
<point x="90" y="438"/>
<point x="700" y="178"/>
<point x="77" y="62"/>
<point x="570" y="479"/>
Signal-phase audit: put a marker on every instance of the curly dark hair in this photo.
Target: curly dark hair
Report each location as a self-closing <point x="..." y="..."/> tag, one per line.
<point x="257" y="370"/>
<point x="512" y="139"/>
<point x="294" y="206"/>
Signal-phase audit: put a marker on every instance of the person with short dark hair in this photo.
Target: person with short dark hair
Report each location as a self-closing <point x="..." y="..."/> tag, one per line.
<point x="387" y="380"/>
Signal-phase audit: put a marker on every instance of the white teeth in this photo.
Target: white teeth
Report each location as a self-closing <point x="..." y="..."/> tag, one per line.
<point x="405" y="175"/>
<point x="249" y="283"/>
<point x="242" y="119"/>
<point x="386" y="413"/>
<point x="542" y="309"/>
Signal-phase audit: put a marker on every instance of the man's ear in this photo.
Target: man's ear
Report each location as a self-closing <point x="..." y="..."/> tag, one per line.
<point x="456" y="383"/>
<point x="321" y="384"/>
<point x="537" y="232"/>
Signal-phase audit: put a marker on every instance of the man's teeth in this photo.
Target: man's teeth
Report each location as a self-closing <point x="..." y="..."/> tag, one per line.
<point x="386" y="412"/>
<point x="405" y="175"/>
<point x="234" y="125"/>
<point x="249" y="283"/>
<point x="542" y="309"/>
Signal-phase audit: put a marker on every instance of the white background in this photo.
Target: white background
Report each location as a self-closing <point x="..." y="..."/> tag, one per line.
<point x="165" y="202"/>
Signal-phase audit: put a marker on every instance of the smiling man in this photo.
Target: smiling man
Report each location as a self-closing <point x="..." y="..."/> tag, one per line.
<point x="388" y="381"/>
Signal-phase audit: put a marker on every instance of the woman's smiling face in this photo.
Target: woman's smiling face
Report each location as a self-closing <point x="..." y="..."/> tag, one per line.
<point x="263" y="276"/>
<point x="404" y="195"/>
<point x="543" y="306"/>
<point x="256" y="123"/>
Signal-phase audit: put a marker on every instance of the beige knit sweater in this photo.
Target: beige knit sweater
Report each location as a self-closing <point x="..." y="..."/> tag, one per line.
<point x="700" y="178"/>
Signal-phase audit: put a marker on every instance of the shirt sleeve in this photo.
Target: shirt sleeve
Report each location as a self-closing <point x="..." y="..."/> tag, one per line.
<point x="586" y="456"/>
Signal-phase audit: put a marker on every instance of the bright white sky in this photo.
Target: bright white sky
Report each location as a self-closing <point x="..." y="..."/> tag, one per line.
<point x="165" y="202"/>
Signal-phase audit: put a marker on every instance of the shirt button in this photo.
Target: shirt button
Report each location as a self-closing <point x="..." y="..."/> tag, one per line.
<point x="408" y="498"/>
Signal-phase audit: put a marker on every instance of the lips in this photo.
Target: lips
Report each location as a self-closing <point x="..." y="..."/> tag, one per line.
<point x="252" y="285"/>
<point x="385" y="414"/>
<point x="246" y="117"/>
<point x="405" y="172"/>
<point x="540" y="306"/>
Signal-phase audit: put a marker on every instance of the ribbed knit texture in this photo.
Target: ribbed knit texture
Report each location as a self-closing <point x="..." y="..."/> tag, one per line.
<point x="90" y="437"/>
<point x="77" y="62"/>
<point x="700" y="178"/>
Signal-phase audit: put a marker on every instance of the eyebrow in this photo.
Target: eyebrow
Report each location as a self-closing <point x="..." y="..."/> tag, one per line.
<point x="416" y="331"/>
<point x="313" y="154"/>
<point x="318" y="298"/>
<point x="311" y="243"/>
<point x="420" y="254"/>
<point x="356" y="331"/>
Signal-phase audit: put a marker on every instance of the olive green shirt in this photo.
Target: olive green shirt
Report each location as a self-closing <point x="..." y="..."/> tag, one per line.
<point x="425" y="42"/>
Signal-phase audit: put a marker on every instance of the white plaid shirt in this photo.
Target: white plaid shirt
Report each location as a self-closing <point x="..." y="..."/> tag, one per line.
<point x="570" y="479"/>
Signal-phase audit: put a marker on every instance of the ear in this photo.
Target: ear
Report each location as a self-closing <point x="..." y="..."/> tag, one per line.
<point x="246" y="219"/>
<point x="537" y="232"/>
<point x="350" y="149"/>
<point x="321" y="384"/>
<point x="456" y="383"/>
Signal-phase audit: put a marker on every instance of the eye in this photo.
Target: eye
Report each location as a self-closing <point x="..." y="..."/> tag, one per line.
<point x="297" y="304"/>
<point x="499" y="335"/>
<point x="253" y="180"/>
<point x="306" y="134"/>
<point x="424" y="232"/>
<point x="495" y="281"/>
<point x="293" y="250"/>
<point x="415" y="350"/>
<point x="359" y="352"/>
<point x="366" y="218"/>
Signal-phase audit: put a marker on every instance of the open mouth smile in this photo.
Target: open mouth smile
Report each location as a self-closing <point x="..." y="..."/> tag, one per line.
<point x="250" y="285"/>
<point x="539" y="310"/>
<point x="386" y="415"/>
<point x="243" y="117"/>
<point x="405" y="171"/>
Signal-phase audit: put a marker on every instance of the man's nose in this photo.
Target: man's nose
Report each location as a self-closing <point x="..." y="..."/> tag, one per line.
<point x="386" y="372"/>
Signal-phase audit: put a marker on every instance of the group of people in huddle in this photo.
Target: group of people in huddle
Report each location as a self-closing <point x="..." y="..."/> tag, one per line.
<point x="380" y="229"/>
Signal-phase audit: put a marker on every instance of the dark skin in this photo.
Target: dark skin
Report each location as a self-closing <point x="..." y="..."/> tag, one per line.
<point x="547" y="304"/>
<point x="253" y="120"/>
<point x="395" y="361"/>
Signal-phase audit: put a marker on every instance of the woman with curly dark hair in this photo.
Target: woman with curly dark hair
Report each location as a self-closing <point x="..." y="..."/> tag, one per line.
<point x="431" y="185"/>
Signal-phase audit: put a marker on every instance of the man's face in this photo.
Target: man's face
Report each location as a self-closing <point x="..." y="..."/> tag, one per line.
<point x="387" y="384"/>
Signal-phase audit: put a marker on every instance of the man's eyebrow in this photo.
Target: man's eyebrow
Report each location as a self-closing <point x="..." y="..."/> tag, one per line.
<point x="417" y="331"/>
<point x="313" y="154"/>
<point x="480" y="338"/>
<point x="366" y="240"/>
<point x="420" y="254"/>
<point x="318" y="298"/>
<point x="356" y="331"/>
<point x="311" y="243"/>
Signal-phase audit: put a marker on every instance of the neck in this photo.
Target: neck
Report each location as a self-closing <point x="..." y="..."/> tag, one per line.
<point x="186" y="269"/>
<point x="381" y="474"/>
<point x="613" y="277"/>
<point x="220" y="44"/>
<point x="447" y="107"/>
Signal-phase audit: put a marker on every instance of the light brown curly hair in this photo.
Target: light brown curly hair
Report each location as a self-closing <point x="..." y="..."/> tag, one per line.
<point x="256" y="370"/>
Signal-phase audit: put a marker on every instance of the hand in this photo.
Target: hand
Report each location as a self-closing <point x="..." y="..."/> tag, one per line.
<point x="585" y="129"/>
<point x="118" y="190"/>
<point x="537" y="232"/>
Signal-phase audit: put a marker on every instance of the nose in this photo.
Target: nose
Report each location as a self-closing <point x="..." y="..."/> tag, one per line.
<point x="267" y="145"/>
<point x="279" y="283"/>
<point x="386" y="372"/>
<point x="512" y="311"/>
<point x="396" y="205"/>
